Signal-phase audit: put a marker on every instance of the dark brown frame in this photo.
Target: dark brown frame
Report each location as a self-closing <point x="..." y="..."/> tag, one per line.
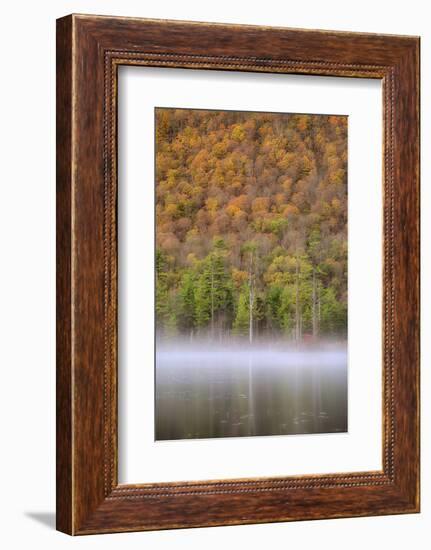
<point x="89" y="50"/>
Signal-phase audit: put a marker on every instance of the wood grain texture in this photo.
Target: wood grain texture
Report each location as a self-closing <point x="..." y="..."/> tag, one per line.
<point x="64" y="497"/>
<point x="90" y="49"/>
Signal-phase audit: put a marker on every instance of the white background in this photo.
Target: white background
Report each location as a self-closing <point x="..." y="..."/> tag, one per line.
<point x="27" y="122"/>
<point x="141" y="458"/>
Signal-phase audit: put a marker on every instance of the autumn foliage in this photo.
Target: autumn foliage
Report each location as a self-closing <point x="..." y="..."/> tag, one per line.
<point x="251" y="224"/>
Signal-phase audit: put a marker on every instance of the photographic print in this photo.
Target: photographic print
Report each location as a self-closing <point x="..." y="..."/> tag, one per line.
<point x="251" y="273"/>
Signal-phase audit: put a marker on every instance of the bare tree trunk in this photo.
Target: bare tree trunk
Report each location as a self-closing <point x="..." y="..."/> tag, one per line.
<point x="251" y="299"/>
<point x="300" y="326"/>
<point x="212" y="300"/>
<point x="297" y="304"/>
<point x="314" y="306"/>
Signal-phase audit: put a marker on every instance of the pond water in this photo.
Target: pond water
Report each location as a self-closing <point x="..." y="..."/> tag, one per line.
<point x="249" y="392"/>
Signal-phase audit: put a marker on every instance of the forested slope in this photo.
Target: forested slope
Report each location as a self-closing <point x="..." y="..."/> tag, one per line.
<point x="251" y="225"/>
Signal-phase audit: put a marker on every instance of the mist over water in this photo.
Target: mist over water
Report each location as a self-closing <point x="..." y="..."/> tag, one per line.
<point x="238" y="390"/>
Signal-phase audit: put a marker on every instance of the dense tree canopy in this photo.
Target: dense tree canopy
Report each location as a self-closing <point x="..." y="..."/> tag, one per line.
<point x="251" y="224"/>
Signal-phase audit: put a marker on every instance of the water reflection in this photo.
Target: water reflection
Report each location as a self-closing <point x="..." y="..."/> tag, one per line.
<point x="253" y="392"/>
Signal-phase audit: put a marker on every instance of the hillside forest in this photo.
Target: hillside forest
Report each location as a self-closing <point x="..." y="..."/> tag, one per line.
<point x="251" y="226"/>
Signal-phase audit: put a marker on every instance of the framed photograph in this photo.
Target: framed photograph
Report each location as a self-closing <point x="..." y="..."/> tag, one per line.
<point x="237" y="274"/>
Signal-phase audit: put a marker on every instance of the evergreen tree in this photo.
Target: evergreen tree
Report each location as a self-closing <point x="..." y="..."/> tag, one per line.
<point x="187" y="303"/>
<point x="242" y="315"/>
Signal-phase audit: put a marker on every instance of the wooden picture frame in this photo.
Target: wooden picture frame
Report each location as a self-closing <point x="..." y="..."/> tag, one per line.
<point x="89" y="51"/>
